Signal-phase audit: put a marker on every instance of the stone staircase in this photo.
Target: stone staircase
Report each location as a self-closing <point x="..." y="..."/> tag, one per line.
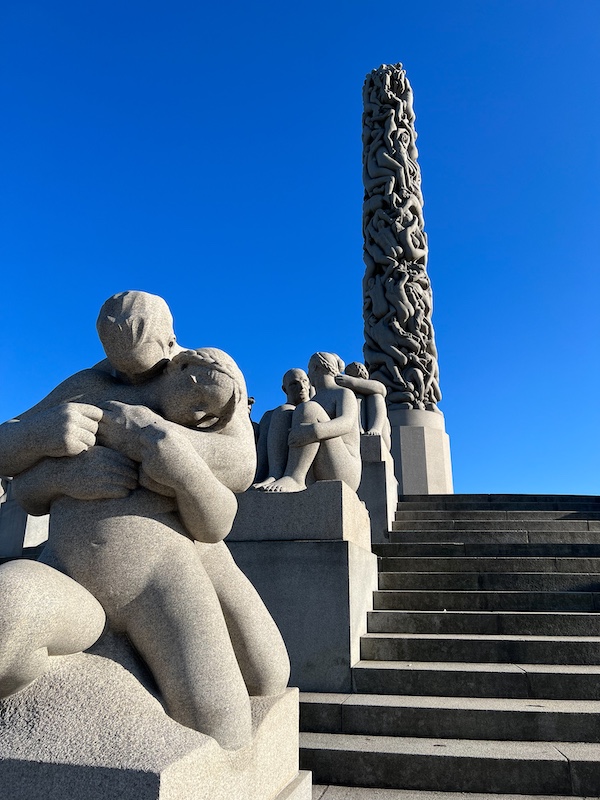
<point x="480" y="670"/>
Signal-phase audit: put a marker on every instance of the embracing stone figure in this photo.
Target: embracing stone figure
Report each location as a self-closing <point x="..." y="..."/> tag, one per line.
<point x="372" y="410"/>
<point x="324" y="439"/>
<point x="137" y="461"/>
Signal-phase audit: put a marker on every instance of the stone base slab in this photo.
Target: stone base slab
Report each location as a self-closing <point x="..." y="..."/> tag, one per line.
<point x="421" y="452"/>
<point x="318" y="593"/>
<point x="326" y="510"/>
<point x="378" y="486"/>
<point x="89" y="730"/>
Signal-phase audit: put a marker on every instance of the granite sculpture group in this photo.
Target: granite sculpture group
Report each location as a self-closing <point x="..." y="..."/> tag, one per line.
<point x="138" y="461"/>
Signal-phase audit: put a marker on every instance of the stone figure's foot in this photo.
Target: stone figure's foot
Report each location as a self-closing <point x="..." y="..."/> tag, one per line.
<point x="372" y="433"/>
<point x="286" y="484"/>
<point x="261" y="485"/>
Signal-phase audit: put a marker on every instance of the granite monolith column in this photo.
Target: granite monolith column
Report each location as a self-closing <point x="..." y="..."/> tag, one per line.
<point x="400" y="347"/>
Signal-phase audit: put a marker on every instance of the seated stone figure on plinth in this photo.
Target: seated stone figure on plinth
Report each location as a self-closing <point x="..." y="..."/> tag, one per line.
<point x="138" y="469"/>
<point x="275" y="426"/>
<point x="371" y="401"/>
<point x="324" y="438"/>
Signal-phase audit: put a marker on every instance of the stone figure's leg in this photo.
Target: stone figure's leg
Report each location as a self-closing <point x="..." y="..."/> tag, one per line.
<point x="258" y="645"/>
<point x="300" y="459"/>
<point x="43" y="614"/>
<point x="334" y="462"/>
<point x="377" y="420"/>
<point x="178" y="627"/>
<point x="277" y="443"/>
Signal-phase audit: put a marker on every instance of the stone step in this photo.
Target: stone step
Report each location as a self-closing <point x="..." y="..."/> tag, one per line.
<point x="451" y="764"/>
<point x="486" y="550"/>
<point x="518" y="524"/>
<point x="404" y="515"/>
<point x="436" y="600"/>
<point x="478" y="679"/>
<point x="491" y="581"/>
<point x="488" y="500"/>
<point x="495" y="649"/>
<point x="500" y="536"/>
<point x="504" y="719"/>
<point x="490" y="564"/>
<point x="321" y="792"/>
<point x="487" y="622"/>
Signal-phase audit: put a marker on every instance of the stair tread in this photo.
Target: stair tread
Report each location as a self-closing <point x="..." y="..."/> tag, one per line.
<point x="453" y="748"/>
<point x="487" y="704"/>
<point x="484" y="637"/>
<point x="481" y="666"/>
<point x="325" y="792"/>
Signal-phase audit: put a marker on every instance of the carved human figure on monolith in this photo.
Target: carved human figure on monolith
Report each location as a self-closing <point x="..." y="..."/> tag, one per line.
<point x="152" y="553"/>
<point x="370" y="394"/>
<point x="399" y="342"/>
<point x="324" y="439"/>
<point x="275" y="426"/>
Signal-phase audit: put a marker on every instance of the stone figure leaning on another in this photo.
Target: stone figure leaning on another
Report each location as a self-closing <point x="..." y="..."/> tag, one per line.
<point x="324" y="438"/>
<point x="139" y="518"/>
<point x="371" y="401"/>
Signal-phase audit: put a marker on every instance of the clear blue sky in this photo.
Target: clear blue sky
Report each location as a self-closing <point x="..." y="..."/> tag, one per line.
<point x="210" y="153"/>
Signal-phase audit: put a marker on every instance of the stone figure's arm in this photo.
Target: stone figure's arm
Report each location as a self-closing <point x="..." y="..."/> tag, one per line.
<point x="167" y="456"/>
<point x="57" y="426"/>
<point x="361" y="385"/>
<point x="97" y="474"/>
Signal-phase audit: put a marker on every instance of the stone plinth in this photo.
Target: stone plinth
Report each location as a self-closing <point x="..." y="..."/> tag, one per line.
<point x="421" y="452"/>
<point x="308" y="554"/>
<point x="89" y="730"/>
<point x="378" y="486"/>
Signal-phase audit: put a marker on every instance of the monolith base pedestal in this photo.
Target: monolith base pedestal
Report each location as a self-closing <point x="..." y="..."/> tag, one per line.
<point x="308" y="554"/>
<point x="421" y="452"/>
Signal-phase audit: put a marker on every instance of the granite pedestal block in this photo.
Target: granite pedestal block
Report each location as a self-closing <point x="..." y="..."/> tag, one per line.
<point x="421" y="452"/>
<point x="308" y="554"/>
<point x="90" y="730"/>
<point x="378" y="486"/>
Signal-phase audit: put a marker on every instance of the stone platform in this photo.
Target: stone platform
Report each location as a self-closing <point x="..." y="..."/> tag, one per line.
<point x="89" y="730"/>
<point x="309" y="556"/>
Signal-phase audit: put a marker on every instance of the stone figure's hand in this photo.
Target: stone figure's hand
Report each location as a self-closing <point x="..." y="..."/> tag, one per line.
<point x="97" y="474"/>
<point x="305" y="433"/>
<point x="123" y="427"/>
<point x="67" y="429"/>
<point x="167" y="459"/>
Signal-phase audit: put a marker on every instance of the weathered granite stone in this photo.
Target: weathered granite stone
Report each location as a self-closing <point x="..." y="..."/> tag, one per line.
<point x="309" y="556"/>
<point x="133" y="474"/>
<point x="324" y="435"/>
<point x="378" y="486"/>
<point x="400" y="349"/>
<point x="371" y="401"/>
<point x="91" y="729"/>
<point x="275" y="428"/>
<point x="421" y="452"/>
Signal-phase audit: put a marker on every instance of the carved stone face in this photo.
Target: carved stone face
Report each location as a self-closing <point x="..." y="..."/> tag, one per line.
<point x="195" y="396"/>
<point x="296" y="386"/>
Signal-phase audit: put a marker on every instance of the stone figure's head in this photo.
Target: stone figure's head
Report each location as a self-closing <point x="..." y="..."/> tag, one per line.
<point x="202" y="389"/>
<point x="296" y="386"/>
<point x="136" y="331"/>
<point x="324" y="364"/>
<point x="357" y="370"/>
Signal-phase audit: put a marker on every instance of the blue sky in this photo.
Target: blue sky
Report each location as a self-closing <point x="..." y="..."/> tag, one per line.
<point x="211" y="153"/>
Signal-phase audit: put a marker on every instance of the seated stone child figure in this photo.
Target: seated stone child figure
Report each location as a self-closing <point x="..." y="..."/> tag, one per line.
<point x="324" y="440"/>
<point x="188" y="475"/>
<point x="275" y="427"/>
<point x="371" y="401"/>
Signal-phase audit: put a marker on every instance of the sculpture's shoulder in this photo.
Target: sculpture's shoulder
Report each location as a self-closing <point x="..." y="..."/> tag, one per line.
<point x="88" y="385"/>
